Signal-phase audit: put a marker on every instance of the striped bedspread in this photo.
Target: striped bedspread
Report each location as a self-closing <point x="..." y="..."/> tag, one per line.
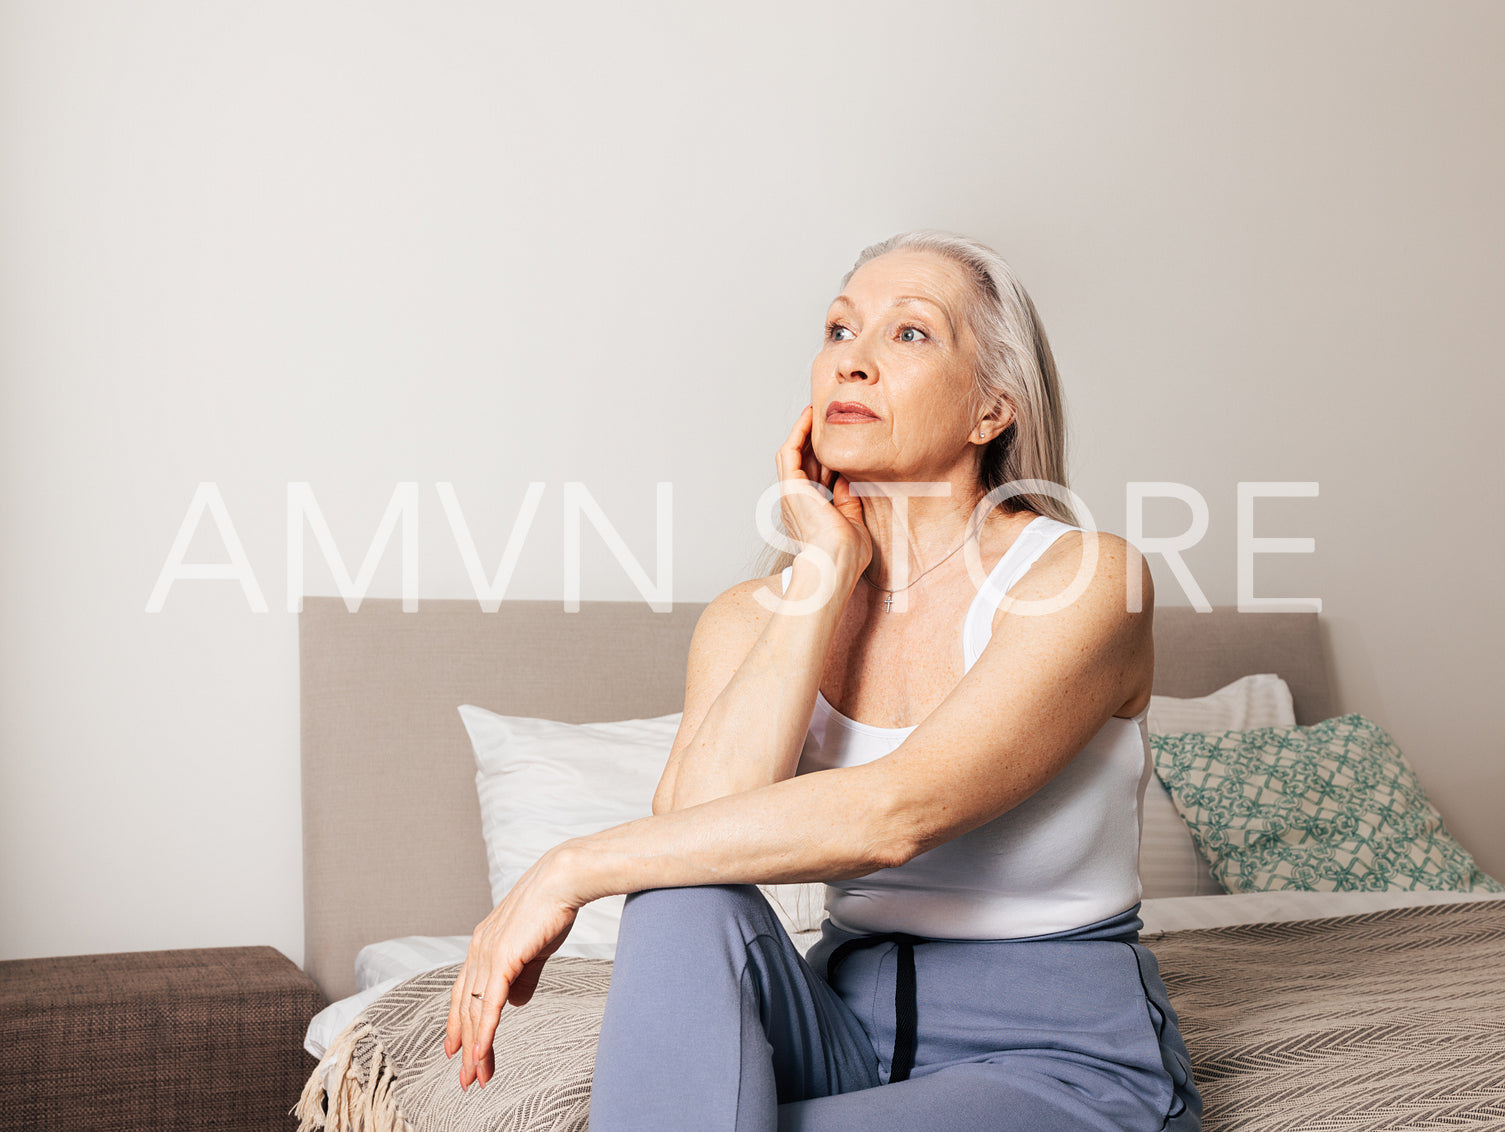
<point x="1387" y="1020"/>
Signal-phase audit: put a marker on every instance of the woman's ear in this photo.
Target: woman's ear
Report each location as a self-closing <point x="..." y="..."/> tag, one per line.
<point x="992" y="425"/>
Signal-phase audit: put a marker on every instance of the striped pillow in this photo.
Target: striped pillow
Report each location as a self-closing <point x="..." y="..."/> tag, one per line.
<point x="1169" y="862"/>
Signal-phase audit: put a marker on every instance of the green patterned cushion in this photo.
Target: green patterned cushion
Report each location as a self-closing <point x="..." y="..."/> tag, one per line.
<point x="1330" y="807"/>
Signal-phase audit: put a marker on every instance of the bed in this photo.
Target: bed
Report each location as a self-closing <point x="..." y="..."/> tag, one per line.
<point x="1360" y="1009"/>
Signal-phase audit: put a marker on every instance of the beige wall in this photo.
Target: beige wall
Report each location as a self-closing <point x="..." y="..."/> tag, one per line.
<point x="357" y="245"/>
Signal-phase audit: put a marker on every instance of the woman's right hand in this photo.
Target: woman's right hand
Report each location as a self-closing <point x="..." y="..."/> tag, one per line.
<point x="835" y="525"/>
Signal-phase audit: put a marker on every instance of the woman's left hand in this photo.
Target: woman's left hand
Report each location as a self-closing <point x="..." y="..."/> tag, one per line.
<point x="507" y="953"/>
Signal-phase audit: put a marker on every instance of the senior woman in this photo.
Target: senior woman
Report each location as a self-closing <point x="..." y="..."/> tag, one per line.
<point x="938" y="709"/>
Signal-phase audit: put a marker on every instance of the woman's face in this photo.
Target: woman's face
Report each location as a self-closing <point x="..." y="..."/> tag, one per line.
<point x="896" y="345"/>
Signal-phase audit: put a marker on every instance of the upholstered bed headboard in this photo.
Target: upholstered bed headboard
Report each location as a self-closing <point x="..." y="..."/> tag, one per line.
<point x="391" y="827"/>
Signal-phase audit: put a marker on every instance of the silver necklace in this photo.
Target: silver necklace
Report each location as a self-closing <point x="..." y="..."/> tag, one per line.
<point x="888" y="602"/>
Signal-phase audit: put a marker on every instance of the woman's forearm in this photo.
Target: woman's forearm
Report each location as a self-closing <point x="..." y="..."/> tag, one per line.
<point x="753" y="733"/>
<point x="826" y="825"/>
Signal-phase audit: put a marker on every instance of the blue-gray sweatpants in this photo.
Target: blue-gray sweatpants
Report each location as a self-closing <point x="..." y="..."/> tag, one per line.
<point x="714" y="1021"/>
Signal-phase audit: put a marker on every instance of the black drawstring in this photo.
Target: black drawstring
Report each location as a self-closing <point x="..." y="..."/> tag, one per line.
<point x="906" y="1013"/>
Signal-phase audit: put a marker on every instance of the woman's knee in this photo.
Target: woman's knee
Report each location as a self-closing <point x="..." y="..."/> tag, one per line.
<point x="697" y="910"/>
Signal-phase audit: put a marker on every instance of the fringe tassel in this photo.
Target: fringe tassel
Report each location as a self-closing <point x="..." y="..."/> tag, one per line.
<point x="362" y="1102"/>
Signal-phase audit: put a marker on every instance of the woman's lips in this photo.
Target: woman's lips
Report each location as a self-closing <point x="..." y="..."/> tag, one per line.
<point x="848" y="412"/>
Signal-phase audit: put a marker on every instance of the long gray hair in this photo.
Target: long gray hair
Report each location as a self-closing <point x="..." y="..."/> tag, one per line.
<point x="1014" y="364"/>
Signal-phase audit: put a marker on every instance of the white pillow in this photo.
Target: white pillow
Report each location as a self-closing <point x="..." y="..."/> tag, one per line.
<point x="541" y="782"/>
<point x="1169" y="863"/>
<point x="1262" y="700"/>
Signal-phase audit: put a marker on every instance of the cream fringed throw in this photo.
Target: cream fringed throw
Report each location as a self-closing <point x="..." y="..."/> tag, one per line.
<point x="390" y="1074"/>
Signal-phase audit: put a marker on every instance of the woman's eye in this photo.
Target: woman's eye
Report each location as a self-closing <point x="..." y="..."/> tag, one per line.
<point x="834" y="330"/>
<point x="905" y="334"/>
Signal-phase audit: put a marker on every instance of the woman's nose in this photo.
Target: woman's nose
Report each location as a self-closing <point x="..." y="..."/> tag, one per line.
<point x="853" y="364"/>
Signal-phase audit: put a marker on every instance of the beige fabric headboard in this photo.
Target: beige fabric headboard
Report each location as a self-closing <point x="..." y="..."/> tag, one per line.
<point x="391" y="827"/>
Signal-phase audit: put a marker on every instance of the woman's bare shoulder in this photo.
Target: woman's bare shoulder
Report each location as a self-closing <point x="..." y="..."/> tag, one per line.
<point x="1113" y="565"/>
<point x="737" y="611"/>
<point x="724" y="634"/>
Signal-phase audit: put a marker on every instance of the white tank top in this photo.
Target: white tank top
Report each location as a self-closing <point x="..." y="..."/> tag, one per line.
<point x="1068" y="855"/>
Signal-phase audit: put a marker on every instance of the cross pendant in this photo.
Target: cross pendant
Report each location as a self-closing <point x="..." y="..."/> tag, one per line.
<point x="888" y="604"/>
